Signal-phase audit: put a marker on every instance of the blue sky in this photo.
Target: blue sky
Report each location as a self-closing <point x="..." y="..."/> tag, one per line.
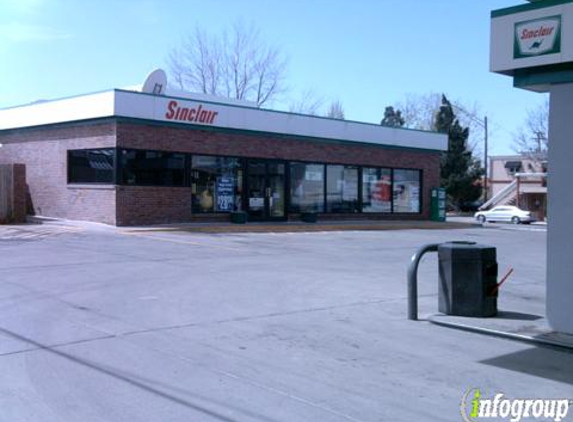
<point x="366" y="54"/>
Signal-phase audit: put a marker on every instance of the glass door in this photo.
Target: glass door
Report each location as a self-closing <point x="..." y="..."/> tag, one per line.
<point x="256" y="189"/>
<point x="276" y="190"/>
<point x="265" y="190"/>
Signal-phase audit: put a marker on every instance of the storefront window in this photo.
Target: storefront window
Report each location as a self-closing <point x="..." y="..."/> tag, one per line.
<point x="306" y="187"/>
<point x="407" y="191"/>
<point x="152" y="168"/>
<point x="341" y="188"/>
<point x="91" y="166"/>
<point x="216" y="184"/>
<point x="376" y="190"/>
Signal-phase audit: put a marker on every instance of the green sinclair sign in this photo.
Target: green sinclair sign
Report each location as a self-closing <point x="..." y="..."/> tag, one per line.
<point x="537" y="37"/>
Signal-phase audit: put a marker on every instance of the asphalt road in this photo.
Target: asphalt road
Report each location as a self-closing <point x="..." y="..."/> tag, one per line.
<point x="99" y="325"/>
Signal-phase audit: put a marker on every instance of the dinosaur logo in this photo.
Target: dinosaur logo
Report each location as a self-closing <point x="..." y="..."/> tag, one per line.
<point x="536" y="45"/>
<point x="537" y="37"/>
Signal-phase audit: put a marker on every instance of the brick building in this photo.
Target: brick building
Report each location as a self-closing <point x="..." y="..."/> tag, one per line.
<point x="127" y="158"/>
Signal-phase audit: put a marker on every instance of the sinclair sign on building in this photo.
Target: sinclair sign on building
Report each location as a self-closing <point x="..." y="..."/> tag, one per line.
<point x="532" y="37"/>
<point x="537" y="37"/>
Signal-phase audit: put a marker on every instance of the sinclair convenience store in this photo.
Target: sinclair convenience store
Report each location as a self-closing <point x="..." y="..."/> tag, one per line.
<point x="127" y="158"/>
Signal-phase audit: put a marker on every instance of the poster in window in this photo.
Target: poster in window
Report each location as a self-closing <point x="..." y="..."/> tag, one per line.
<point x="315" y="176"/>
<point x="414" y="198"/>
<point x="381" y="194"/>
<point x="225" y="193"/>
<point x="256" y="203"/>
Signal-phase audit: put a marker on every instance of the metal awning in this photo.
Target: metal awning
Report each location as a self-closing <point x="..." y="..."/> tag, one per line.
<point x="513" y="165"/>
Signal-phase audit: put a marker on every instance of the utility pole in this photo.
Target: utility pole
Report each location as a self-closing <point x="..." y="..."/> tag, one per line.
<point x="538" y="137"/>
<point x="485" y="160"/>
<point x="483" y="124"/>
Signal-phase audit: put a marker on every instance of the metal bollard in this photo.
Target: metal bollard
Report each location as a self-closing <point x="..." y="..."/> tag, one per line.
<point x="413" y="279"/>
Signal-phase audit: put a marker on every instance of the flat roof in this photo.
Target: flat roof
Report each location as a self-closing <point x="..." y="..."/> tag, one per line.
<point x="196" y="113"/>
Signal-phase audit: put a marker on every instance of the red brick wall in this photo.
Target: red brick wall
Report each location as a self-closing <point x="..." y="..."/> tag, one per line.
<point x="139" y="205"/>
<point x="91" y="203"/>
<point x="44" y="152"/>
<point x="171" y="138"/>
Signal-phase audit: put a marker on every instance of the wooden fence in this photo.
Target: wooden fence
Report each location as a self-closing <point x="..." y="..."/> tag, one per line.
<point x="12" y="193"/>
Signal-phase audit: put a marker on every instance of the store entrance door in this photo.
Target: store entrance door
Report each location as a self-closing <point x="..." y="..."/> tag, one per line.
<point x="266" y="190"/>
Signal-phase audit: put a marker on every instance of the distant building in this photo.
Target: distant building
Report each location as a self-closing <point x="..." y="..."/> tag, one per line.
<point x="518" y="180"/>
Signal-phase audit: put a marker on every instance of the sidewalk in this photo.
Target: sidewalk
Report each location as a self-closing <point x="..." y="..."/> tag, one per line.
<point x="297" y="226"/>
<point x="35" y="222"/>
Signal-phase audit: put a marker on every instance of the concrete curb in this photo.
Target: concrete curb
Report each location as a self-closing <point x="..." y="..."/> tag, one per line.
<point x="541" y="339"/>
<point x="302" y="227"/>
<point x="263" y="227"/>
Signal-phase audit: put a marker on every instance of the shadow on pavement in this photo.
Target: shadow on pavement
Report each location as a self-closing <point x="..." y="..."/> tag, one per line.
<point x="545" y="362"/>
<point x="518" y="316"/>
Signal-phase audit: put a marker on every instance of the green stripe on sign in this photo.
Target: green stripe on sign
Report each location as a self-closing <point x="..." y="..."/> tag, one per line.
<point x="526" y="7"/>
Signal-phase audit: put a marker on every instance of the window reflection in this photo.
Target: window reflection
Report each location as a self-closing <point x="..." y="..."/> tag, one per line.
<point x="306" y="187"/>
<point x="341" y="188"/>
<point x="152" y="168"/>
<point x="91" y="166"/>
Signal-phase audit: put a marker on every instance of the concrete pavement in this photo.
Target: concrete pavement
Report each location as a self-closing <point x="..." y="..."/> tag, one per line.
<point x="99" y="325"/>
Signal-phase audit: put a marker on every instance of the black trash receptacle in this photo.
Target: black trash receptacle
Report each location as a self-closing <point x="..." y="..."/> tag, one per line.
<point x="309" y="217"/>
<point x="239" y="217"/>
<point x="468" y="279"/>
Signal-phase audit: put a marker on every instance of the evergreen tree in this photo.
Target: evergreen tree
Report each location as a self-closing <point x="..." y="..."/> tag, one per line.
<point x="460" y="172"/>
<point x="392" y="118"/>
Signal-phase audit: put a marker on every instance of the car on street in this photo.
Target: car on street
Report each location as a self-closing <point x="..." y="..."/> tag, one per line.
<point x="505" y="213"/>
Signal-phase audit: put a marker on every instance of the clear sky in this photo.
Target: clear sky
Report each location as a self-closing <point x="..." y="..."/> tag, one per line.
<point x="366" y="54"/>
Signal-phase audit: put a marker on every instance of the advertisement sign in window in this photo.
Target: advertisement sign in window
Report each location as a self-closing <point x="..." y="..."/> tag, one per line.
<point x="255" y="203"/>
<point x="225" y="193"/>
<point x="315" y="176"/>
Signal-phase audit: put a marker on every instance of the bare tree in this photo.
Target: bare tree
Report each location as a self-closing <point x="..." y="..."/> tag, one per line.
<point x="419" y="112"/>
<point x="532" y="139"/>
<point x="235" y="64"/>
<point x="335" y="110"/>
<point x="308" y="103"/>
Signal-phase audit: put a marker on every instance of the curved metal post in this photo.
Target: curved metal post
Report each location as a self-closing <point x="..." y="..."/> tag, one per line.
<point x="413" y="278"/>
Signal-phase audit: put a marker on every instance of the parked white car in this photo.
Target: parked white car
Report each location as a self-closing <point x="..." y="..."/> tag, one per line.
<point x="506" y="213"/>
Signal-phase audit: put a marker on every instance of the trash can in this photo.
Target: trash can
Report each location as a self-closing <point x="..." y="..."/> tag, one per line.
<point x="309" y="217"/>
<point x="467" y="279"/>
<point x="239" y="217"/>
